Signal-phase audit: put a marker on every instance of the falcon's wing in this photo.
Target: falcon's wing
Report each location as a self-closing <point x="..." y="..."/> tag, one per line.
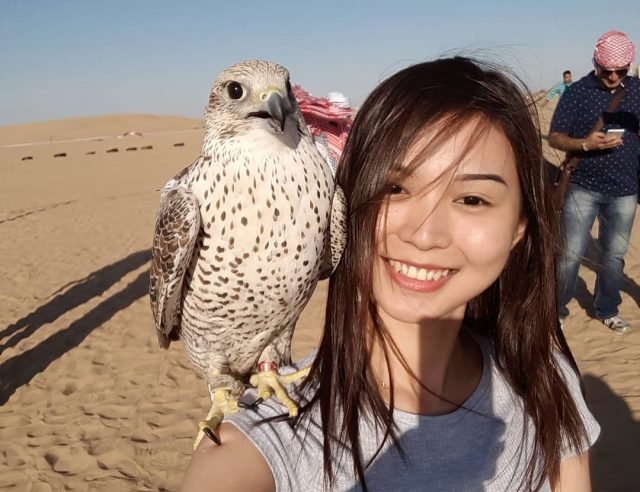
<point x="175" y="236"/>
<point x="338" y="233"/>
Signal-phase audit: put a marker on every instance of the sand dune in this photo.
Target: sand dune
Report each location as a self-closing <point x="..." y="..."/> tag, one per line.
<point x="87" y="399"/>
<point x="93" y="128"/>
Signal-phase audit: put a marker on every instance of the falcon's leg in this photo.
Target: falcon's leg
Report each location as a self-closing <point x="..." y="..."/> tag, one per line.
<point x="225" y="391"/>
<point x="222" y="404"/>
<point x="268" y="381"/>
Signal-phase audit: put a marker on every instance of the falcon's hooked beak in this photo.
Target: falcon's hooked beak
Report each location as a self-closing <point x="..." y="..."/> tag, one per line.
<point x="274" y="107"/>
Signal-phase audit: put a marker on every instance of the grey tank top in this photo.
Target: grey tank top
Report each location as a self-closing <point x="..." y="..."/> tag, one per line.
<point x="484" y="446"/>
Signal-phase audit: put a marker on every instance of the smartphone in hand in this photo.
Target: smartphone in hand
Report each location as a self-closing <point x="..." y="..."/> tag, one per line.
<point x="615" y="132"/>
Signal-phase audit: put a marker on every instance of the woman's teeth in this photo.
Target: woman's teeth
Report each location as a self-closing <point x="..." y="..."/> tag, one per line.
<point x="418" y="273"/>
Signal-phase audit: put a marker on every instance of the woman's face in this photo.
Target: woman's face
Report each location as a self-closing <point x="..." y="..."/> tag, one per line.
<point x="449" y="229"/>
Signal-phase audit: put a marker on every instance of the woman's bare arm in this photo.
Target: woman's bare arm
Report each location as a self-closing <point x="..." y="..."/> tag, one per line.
<point x="574" y="474"/>
<point x="236" y="465"/>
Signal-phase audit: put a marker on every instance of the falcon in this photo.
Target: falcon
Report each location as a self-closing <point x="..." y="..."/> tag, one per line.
<point x="242" y="237"/>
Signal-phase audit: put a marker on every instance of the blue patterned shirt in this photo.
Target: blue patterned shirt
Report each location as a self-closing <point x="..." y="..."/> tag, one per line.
<point x="613" y="172"/>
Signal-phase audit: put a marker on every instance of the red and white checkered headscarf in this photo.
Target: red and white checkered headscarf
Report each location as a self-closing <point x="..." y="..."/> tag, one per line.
<point x="614" y="50"/>
<point x="329" y="123"/>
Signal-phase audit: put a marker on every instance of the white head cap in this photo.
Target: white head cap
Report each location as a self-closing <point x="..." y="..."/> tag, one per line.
<point x="339" y="99"/>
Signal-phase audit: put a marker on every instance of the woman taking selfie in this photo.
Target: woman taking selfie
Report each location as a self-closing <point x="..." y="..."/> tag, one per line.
<point x="441" y="366"/>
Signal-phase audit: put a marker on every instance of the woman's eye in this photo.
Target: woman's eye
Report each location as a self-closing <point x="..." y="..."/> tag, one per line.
<point x="395" y="189"/>
<point x="234" y="89"/>
<point x="472" y="201"/>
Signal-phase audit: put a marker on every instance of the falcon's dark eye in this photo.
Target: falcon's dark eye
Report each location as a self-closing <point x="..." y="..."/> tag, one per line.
<point x="288" y="86"/>
<point x="235" y="90"/>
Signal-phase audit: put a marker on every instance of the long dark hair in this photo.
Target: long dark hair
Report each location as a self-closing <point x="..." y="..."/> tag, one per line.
<point x="518" y="312"/>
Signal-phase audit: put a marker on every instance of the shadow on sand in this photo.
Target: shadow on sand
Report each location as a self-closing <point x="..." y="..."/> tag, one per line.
<point x="19" y="370"/>
<point x="614" y="459"/>
<point x="93" y="285"/>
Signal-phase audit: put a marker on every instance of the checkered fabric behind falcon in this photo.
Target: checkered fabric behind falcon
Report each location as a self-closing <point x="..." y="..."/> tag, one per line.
<point x="328" y="122"/>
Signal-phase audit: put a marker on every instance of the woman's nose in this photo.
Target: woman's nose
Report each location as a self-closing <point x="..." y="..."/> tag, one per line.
<point x="427" y="227"/>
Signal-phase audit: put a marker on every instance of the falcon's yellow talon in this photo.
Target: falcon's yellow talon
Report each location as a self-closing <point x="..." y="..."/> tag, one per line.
<point x="265" y="394"/>
<point x="270" y="382"/>
<point x="211" y="423"/>
<point x="287" y="379"/>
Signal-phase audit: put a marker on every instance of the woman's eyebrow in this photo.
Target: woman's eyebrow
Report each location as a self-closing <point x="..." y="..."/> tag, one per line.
<point x="400" y="171"/>
<point x="481" y="177"/>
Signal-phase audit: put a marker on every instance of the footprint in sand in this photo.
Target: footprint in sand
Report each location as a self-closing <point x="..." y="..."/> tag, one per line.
<point x="70" y="460"/>
<point x="98" y="447"/>
<point x="13" y="457"/>
<point x="120" y="462"/>
<point x="143" y="435"/>
<point x="69" y="389"/>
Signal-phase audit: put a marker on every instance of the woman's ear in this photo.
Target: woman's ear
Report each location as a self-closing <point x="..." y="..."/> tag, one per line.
<point x="518" y="234"/>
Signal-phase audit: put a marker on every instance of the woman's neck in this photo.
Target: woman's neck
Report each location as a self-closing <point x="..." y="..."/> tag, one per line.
<point x="444" y="358"/>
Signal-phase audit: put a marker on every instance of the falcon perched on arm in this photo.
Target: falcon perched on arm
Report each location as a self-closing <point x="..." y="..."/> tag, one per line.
<point x="242" y="237"/>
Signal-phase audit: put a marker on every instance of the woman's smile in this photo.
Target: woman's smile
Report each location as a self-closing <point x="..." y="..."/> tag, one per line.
<point x="425" y="279"/>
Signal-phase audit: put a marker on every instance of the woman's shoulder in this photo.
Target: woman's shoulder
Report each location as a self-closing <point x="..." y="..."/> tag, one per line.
<point x="284" y="443"/>
<point x="237" y="464"/>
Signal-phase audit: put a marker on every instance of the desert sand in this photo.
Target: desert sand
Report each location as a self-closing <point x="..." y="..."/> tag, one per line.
<point x="88" y="401"/>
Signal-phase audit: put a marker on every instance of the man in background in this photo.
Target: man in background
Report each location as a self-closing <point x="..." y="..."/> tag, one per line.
<point x="559" y="88"/>
<point x="605" y="185"/>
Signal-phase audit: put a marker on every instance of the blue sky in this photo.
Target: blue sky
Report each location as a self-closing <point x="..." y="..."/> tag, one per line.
<point x="66" y="58"/>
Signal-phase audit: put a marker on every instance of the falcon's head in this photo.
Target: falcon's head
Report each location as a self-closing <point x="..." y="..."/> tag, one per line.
<point x="252" y="95"/>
